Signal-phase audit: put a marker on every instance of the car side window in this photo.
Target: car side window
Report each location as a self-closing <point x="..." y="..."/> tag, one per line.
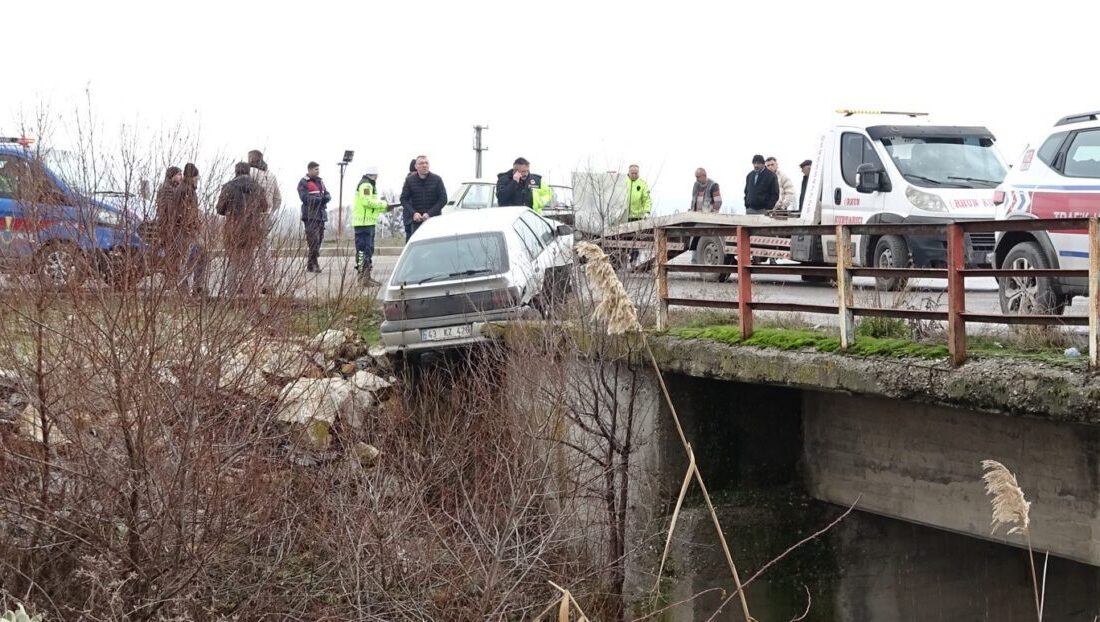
<point x="855" y="149"/>
<point x="12" y="170"/>
<point x="530" y="240"/>
<point x="540" y="227"/>
<point x="1050" y="148"/>
<point x="1083" y="156"/>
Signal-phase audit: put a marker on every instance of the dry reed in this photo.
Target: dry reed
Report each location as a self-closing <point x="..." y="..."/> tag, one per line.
<point x="1011" y="508"/>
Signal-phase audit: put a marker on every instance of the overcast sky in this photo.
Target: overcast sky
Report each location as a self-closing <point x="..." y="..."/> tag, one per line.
<point x="566" y="84"/>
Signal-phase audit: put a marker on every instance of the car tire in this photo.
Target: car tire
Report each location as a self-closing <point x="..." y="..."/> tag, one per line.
<point x="891" y="251"/>
<point x="59" y="266"/>
<point x="1028" y="295"/>
<point x="711" y="251"/>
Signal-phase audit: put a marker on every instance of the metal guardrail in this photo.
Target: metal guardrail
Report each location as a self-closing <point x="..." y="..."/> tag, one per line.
<point x="956" y="272"/>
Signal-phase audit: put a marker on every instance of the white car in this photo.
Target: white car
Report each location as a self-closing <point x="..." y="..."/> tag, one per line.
<point x="1056" y="177"/>
<point x="481" y="193"/>
<point x="467" y="269"/>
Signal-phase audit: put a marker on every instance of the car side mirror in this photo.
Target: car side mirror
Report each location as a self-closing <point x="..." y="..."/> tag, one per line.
<point x="563" y="231"/>
<point x="870" y="178"/>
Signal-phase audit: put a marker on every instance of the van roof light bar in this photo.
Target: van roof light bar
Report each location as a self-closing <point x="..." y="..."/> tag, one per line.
<point x="11" y="140"/>
<point x="1078" y="118"/>
<point x="850" y="111"/>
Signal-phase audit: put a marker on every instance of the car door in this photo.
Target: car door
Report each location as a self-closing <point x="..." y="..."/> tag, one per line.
<point x="533" y="272"/>
<point x="556" y="260"/>
<point x="15" y="241"/>
<point x="846" y="205"/>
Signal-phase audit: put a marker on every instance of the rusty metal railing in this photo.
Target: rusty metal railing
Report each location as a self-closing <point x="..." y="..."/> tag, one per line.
<point x="955" y="273"/>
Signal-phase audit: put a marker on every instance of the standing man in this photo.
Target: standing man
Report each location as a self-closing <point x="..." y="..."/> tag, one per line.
<point x="243" y="203"/>
<point x="705" y="196"/>
<point x="641" y="204"/>
<point x="761" y="188"/>
<point x="422" y="196"/>
<point x="258" y="171"/>
<point x="520" y="186"/>
<point x="367" y="209"/>
<point x="786" y="186"/>
<point x="315" y="198"/>
<point x="805" y="166"/>
<point x="186" y="261"/>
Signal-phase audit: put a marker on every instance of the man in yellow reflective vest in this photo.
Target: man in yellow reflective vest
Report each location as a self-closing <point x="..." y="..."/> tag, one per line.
<point x="641" y="204"/>
<point x="364" y="216"/>
<point x="520" y="186"/>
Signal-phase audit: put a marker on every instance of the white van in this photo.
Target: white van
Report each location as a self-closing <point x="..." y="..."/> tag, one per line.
<point x="870" y="169"/>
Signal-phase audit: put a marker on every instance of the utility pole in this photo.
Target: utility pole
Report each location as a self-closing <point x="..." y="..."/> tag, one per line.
<point x="478" y="148"/>
<point x="340" y="201"/>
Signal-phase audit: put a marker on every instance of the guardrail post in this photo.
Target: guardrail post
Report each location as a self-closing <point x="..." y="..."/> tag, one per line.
<point x="1094" y="293"/>
<point x="660" y="260"/>
<point x="844" y="286"/>
<point x="956" y="294"/>
<point x="744" y="282"/>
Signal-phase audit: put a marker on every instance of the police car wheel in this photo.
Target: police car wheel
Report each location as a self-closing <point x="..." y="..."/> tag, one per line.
<point x="57" y="265"/>
<point x="1024" y="295"/>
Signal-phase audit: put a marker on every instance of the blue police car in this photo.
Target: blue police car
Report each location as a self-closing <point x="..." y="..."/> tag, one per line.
<point x="51" y="229"/>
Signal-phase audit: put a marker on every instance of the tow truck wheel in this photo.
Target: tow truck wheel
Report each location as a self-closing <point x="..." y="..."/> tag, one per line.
<point x="891" y="251"/>
<point x="711" y="251"/>
<point x="58" y="266"/>
<point x="1027" y="295"/>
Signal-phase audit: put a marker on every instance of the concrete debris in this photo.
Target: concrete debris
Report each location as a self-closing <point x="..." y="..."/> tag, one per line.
<point x="367" y="454"/>
<point x="366" y="381"/>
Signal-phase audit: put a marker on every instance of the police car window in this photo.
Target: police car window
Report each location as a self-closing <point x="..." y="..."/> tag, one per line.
<point x="11" y="170"/>
<point x="529" y="239"/>
<point x="539" y="226"/>
<point x="1049" y="149"/>
<point x="1083" y="158"/>
<point x="855" y="149"/>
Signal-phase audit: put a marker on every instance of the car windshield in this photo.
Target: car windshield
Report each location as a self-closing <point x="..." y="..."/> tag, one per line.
<point x="452" y="257"/>
<point x="949" y="162"/>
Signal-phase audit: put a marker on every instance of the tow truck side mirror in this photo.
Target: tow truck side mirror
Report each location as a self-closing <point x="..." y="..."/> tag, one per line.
<point x="870" y="178"/>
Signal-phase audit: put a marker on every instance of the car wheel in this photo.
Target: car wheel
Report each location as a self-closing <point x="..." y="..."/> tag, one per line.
<point x="1028" y="295"/>
<point x="58" y="266"/>
<point x="891" y="251"/>
<point x="711" y="251"/>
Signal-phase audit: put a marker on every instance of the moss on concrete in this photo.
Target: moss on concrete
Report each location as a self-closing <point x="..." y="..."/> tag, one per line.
<point x="806" y="339"/>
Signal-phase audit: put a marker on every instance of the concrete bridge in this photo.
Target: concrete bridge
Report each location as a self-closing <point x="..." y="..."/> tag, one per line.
<point x="905" y="438"/>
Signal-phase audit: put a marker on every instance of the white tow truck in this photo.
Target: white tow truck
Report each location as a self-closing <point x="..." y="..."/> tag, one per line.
<point x="869" y="168"/>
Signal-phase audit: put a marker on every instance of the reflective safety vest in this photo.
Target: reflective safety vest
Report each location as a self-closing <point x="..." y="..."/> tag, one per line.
<point x="368" y="207"/>
<point x="640" y="201"/>
<point x="541" y="196"/>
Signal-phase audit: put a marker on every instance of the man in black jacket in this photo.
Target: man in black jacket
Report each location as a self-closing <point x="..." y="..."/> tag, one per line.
<point x="520" y="186"/>
<point x="244" y="204"/>
<point x="761" y="188"/>
<point x="315" y="198"/>
<point x="423" y="196"/>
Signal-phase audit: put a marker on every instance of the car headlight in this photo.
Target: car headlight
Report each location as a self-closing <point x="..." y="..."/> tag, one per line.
<point x="926" y="201"/>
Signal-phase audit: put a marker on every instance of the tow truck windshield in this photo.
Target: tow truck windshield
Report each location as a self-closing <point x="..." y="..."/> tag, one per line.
<point x="946" y="162"/>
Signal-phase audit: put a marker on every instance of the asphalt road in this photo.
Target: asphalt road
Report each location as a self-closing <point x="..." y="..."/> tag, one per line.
<point x="925" y="294"/>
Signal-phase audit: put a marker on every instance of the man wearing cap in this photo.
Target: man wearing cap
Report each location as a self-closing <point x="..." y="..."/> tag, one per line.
<point x="805" y="166"/>
<point x="364" y="216"/>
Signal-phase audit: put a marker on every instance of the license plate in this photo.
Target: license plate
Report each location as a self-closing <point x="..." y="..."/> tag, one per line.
<point x="445" y="332"/>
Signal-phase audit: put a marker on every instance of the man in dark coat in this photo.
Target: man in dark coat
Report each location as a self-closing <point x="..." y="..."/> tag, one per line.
<point x="315" y="198"/>
<point x="423" y="196"/>
<point x="761" y="188"/>
<point x="243" y="202"/>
